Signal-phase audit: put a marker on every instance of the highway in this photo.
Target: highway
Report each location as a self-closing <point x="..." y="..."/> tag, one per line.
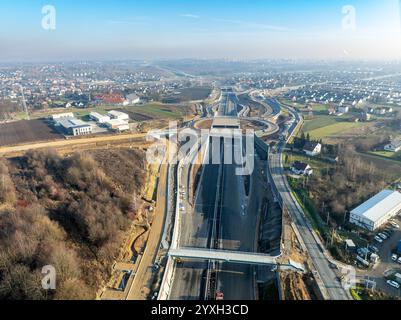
<point x="333" y="288"/>
<point x="220" y="220"/>
<point x="219" y="210"/>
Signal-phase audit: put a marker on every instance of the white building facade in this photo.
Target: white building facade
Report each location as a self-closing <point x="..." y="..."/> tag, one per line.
<point x="376" y="211"/>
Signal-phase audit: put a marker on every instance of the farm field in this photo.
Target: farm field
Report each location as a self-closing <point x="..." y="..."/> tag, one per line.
<point x="387" y="155"/>
<point x="26" y="131"/>
<point x="332" y="129"/>
<point x="320" y="121"/>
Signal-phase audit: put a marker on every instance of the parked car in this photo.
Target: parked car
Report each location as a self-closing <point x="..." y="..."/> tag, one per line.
<point x="387" y="233"/>
<point x="378" y="239"/>
<point x="373" y="249"/>
<point x="394" y="224"/>
<point x="383" y="236"/>
<point x="394" y="257"/>
<point x="399" y="260"/>
<point x="393" y="284"/>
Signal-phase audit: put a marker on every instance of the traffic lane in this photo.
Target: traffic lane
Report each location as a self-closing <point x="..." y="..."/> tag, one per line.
<point x="236" y="281"/>
<point x="237" y="228"/>
<point x="196" y="225"/>
<point x="188" y="281"/>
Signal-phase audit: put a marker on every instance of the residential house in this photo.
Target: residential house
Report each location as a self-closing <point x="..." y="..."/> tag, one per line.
<point x="301" y="168"/>
<point x="393" y="146"/>
<point x="343" y="109"/>
<point x="312" y="148"/>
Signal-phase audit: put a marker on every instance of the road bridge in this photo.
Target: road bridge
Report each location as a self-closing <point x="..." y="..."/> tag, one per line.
<point x="223" y="256"/>
<point x="248" y="258"/>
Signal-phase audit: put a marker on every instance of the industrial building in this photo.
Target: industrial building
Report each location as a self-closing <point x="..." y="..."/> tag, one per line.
<point x="376" y="211"/>
<point x="113" y="114"/>
<point x="117" y="125"/>
<point x="59" y="116"/>
<point x="75" y="127"/>
<point x="99" y="118"/>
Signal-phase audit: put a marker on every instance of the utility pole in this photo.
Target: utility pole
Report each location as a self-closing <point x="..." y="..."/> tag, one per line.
<point x="24" y="102"/>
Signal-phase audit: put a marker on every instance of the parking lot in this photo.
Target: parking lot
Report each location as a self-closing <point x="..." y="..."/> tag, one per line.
<point x="386" y="265"/>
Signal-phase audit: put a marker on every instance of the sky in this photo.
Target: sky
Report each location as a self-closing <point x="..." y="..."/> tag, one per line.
<point x="174" y="29"/>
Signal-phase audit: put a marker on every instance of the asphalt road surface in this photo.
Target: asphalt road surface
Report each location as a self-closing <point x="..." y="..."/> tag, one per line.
<point x="329" y="279"/>
<point x="235" y="228"/>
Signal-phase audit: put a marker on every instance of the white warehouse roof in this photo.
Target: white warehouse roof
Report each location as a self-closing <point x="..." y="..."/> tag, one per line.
<point x="98" y="115"/>
<point x="117" y="114"/>
<point x="379" y="205"/>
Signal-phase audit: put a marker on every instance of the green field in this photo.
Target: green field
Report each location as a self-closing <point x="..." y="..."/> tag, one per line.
<point x="387" y="154"/>
<point x="333" y="129"/>
<point x="319" y="107"/>
<point x="319" y="122"/>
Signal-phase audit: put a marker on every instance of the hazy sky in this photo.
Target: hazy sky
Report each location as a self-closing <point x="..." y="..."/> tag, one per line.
<point x="131" y="29"/>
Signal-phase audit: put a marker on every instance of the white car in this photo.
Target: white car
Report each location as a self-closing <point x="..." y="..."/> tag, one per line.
<point x="399" y="260"/>
<point x="378" y="239"/>
<point x="394" y="257"/>
<point x="393" y="284"/>
<point x="395" y="225"/>
<point x="383" y="236"/>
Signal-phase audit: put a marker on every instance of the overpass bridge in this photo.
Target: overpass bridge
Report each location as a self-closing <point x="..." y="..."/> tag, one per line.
<point x="233" y="257"/>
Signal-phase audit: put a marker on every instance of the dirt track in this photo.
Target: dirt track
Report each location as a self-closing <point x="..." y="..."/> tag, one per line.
<point x="15" y="150"/>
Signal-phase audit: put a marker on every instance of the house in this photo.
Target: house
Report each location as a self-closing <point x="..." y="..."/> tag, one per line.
<point x="113" y="114"/>
<point x="331" y="111"/>
<point x="381" y="111"/>
<point x="370" y="110"/>
<point x="301" y="168"/>
<point x="376" y="211"/>
<point x="342" y="109"/>
<point x="132" y="99"/>
<point x="393" y="146"/>
<point x="364" y="116"/>
<point x="312" y="148"/>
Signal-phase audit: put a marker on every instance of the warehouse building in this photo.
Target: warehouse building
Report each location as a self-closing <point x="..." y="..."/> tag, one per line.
<point x="59" y="116"/>
<point x="117" y="125"/>
<point x="75" y="127"/>
<point x="99" y="118"/>
<point x="113" y="114"/>
<point x="375" y="212"/>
